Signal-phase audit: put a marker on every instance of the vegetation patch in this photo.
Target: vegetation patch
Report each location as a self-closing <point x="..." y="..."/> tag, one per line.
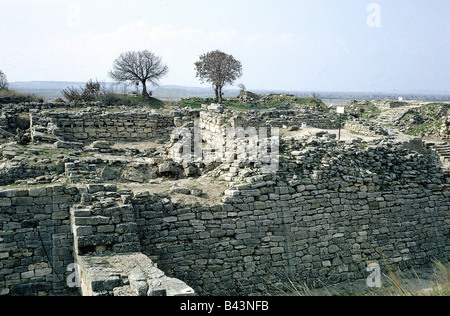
<point x="14" y="97"/>
<point x="365" y="110"/>
<point x="270" y="101"/>
<point x="426" y="120"/>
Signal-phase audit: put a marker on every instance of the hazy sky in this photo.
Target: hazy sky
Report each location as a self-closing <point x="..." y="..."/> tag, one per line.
<point x="304" y="45"/>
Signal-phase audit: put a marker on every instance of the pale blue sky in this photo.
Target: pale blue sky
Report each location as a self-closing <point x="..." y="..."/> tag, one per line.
<point x="304" y="45"/>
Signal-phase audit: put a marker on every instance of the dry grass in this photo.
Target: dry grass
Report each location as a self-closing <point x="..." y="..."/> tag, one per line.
<point x="395" y="283"/>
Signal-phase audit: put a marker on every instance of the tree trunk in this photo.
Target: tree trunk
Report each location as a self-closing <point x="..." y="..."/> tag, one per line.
<point x="144" y="90"/>
<point x="220" y="95"/>
<point x="216" y="90"/>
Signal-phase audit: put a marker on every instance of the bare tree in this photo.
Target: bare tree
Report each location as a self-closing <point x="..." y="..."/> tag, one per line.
<point x="218" y="69"/>
<point x="3" y="81"/>
<point x="139" y="67"/>
<point x="89" y="93"/>
<point x="242" y="87"/>
<point x="72" y="94"/>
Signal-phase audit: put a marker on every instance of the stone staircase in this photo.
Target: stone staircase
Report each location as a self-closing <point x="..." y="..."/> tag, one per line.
<point x="108" y="250"/>
<point x="443" y="150"/>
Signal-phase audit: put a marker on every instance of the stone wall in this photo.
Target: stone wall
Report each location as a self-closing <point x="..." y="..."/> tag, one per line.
<point x="329" y="211"/>
<point x="107" y="248"/>
<point x="321" y="219"/>
<point x="365" y="128"/>
<point x="11" y="174"/>
<point x="36" y="242"/>
<point x="215" y="125"/>
<point x="214" y="120"/>
<point x="388" y="104"/>
<point x="238" y="139"/>
<point x="10" y="112"/>
<point x="270" y="230"/>
<point x="3" y="122"/>
<point x="97" y="125"/>
<point x="27" y="107"/>
<point x="55" y="240"/>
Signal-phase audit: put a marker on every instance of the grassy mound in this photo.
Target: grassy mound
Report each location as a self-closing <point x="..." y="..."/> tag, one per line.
<point x="111" y="99"/>
<point x="426" y="120"/>
<point x="277" y="101"/>
<point x="14" y="97"/>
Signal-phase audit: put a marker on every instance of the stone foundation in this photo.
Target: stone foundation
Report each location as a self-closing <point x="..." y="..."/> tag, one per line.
<point x="329" y="210"/>
<point x="362" y="127"/>
<point x="95" y="125"/>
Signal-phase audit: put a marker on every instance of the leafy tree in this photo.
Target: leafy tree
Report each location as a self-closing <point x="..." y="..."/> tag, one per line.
<point x="218" y="69"/>
<point x="139" y="67"/>
<point x="3" y="81"/>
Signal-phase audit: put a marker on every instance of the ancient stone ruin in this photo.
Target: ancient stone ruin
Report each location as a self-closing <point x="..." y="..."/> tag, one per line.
<point x="134" y="202"/>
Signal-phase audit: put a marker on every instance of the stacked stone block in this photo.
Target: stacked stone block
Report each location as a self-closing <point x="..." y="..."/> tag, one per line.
<point x="36" y="242"/>
<point x="97" y="125"/>
<point x="329" y="211"/>
<point x="321" y="219"/>
<point x="108" y="250"/>
<point x="105" y="223"/>
<point x="17" y="172"/>
<point x="365" y="128"/>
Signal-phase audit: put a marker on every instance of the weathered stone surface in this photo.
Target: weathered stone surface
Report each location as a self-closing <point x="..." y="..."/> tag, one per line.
<point x="108" y="174"/>
<point x="102" y="144"/>
<point x="330" y="209"/>
<point x="109" y="276"/>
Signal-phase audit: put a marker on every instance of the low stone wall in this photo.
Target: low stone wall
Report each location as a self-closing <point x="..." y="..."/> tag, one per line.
<point x="364" y="128"/>
<point x="389" y="104"/>
<point x="11" y="174"/>
<point x="295" y="118"/>
<point x="214" y="123"/>
<point x="3" y="122"/>
<point x="26" y="107"/>
<point x="9" y="113"/>
<point x="216" y="126"/>
<point x="96" y="125"/>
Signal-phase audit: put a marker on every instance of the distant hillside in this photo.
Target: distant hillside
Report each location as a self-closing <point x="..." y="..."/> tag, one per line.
<point x="50" y="90"/>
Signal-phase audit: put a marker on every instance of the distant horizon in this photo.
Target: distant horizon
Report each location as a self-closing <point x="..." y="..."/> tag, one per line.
<point x="233" y="88"/>
<point x="50" y="90"/>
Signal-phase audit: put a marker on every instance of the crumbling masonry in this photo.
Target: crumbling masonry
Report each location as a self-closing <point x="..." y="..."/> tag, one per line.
<point x="330" y="210"/>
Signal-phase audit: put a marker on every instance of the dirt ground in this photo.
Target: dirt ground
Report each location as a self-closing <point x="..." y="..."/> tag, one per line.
<point x="212" y="189"/>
